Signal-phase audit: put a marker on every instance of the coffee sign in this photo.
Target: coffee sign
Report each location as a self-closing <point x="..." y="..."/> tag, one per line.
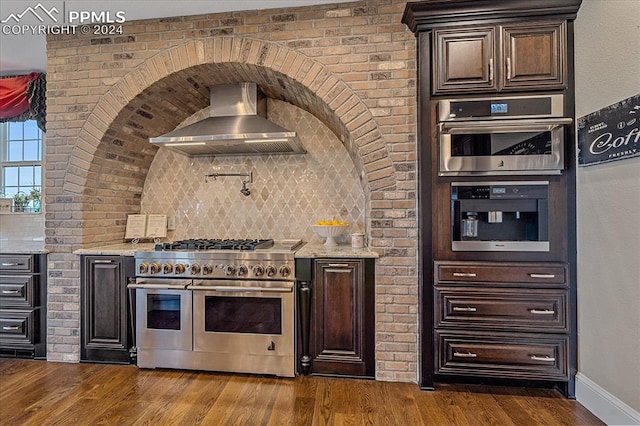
<point x="612" y="133"/>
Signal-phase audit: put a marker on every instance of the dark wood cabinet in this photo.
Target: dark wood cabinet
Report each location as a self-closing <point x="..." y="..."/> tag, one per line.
<point x="337" y="317"/>
<point x="487" y="323"/>
<point x="519" y="56"/>
<point x="106" y="328"/>
<point x="23" y="300"/>
<point x="490" y="315"/>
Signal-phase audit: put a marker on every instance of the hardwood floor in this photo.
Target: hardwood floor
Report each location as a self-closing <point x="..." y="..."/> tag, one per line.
<point x="48" y="393"/>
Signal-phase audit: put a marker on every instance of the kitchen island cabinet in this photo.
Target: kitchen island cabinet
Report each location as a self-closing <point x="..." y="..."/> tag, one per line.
<point x="106" y="326"/>
<point x="23" y="301"/>
<point x="337" y="316"/>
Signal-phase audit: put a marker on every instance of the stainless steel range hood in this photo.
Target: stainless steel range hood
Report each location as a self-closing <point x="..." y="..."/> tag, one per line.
<point x="236" y="125"/>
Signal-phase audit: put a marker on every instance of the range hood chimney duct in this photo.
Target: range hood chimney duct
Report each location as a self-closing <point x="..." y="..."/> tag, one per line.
<point x="237" y="125"/>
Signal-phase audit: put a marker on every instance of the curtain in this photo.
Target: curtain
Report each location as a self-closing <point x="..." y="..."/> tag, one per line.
<point x="23" y="98"/>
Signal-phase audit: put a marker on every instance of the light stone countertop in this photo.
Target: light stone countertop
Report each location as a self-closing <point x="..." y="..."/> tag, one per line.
<point x="122" y="249"/>
<point x="32" y="246"/>
<point x="306" y="251"/>
<point x="344" y="251"/>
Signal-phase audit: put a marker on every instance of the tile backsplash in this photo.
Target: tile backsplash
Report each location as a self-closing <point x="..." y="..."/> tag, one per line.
<point x="288" y="192"/>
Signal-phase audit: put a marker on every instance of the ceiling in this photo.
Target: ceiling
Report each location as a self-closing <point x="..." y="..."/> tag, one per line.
<point x="22" y="52"/>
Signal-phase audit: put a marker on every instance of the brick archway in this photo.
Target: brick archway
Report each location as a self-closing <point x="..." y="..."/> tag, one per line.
<point x="282" y="73"/>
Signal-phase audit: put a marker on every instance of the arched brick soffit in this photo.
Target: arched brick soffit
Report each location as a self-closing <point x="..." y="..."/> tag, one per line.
<point x="135" y="108"/>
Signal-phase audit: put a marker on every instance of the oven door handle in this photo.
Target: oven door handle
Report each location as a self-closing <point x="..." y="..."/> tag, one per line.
<point x="502" y="126"/>
<point x="239" y="289"/>
<point x="158" y="286"/>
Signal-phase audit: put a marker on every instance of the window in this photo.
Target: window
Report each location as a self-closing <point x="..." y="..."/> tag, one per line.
<point x="21" y="158"/>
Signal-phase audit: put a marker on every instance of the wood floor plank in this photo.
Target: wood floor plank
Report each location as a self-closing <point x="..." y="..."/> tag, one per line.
<point x="46" y="393"/>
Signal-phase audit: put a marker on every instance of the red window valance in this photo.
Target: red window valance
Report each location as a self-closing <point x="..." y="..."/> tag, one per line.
<point x="23" y="98"/>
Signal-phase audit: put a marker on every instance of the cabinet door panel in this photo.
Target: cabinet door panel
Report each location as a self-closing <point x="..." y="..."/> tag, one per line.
<point x="464" y="60"/>
<point x="337" y="317"/>
<point x="105" y="334"/>
<point x="534" y="55"/>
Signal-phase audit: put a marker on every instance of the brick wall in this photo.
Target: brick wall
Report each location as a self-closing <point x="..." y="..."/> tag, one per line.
<point x="351" y="65"/>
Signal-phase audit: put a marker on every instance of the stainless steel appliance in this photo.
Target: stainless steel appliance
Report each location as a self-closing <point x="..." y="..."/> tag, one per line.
<point x="217" y="305"/>
<point x="500" y="216"/>
<point x="492" y="136"/>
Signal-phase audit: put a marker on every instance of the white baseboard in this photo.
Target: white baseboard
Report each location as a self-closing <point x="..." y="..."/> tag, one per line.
<point x="604" y="405"/>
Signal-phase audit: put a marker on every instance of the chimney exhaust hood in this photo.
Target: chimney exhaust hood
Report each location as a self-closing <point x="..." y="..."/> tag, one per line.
<point x="236" y="125"/>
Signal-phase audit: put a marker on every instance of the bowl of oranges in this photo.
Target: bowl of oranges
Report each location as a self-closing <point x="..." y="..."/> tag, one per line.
<point x="330" y="229"/>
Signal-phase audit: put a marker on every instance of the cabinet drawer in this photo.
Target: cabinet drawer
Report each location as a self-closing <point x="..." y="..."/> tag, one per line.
<point x="509" y="309"/>
<point x="17" y="291"/>
<point x="18" y="326"/>
<point x="16" y="262"/>
<point x="539" y="275"/>
<point x="503" y="355"/>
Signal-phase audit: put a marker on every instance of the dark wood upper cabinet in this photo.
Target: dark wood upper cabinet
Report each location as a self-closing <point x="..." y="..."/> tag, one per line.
<point x="464" y="60"/>
<point x="534" y="56"/>
<point x="512" y="57"/>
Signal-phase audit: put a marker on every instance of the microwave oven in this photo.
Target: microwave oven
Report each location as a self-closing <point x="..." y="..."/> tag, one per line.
<point x="521" y="135"/>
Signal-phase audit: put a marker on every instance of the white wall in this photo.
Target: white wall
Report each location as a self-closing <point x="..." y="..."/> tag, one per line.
<point x="607" y="59"/>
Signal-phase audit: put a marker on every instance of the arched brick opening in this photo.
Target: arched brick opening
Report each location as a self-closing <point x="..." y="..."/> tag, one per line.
<point x="108" y="165"/>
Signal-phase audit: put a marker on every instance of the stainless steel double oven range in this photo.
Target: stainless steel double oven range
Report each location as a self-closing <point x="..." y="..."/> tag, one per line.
<point x="501" y="137"/>
<point x="217" y="305"/>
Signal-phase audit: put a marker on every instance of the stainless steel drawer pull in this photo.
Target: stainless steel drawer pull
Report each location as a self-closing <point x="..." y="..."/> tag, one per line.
<point x="13" y="264"/>
<point x="542" y="358"/>
<point x="542" y="275"/>
<point x="10" y="327"/>
<point x="464" y="274"/>
<point x="338" y="265"/>
<point x="102" y="261"/>
<point x="464" y="309"/>
<point x="10" y="291"/>
<point x="542" y="311"/>
<point x="465" y="354"/>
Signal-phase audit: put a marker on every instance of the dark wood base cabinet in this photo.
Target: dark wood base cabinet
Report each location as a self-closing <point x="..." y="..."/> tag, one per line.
<point x="503" y="320"/>
<point x="336" y="317"/>
<point x="106" y="325"/>
<point x="23" y="305"/>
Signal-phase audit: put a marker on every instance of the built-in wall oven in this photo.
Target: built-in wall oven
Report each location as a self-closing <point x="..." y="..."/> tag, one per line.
<point x="521" y="135"/>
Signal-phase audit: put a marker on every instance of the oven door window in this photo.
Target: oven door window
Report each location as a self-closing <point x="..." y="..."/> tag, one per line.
<point x="256" y="315"/>
<point x="490" y="144"/>
<point x="163" y="311"/>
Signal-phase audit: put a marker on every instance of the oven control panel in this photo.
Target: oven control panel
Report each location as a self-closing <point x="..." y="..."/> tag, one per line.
<point x="276" y="269"/>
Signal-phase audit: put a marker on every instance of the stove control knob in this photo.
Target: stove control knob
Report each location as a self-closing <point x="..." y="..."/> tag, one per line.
<point x="195" y="269"/>
<point x="143" y="268"/>
<point x="258" y="270"/>
<point x="229" y="269"/>
<point x="242" y="270"/>
<point x="180" y="268"/>
<point x="154" y="268"/>
<point x="207" y="269"/>
<point x="271" y="270"/>
<point x="167" y="268"/>
<point x="285" y="270"/>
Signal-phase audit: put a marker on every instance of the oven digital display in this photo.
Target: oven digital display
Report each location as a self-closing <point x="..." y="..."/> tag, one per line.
<point x="499" y="108"/>
<point x="499" y="190"/>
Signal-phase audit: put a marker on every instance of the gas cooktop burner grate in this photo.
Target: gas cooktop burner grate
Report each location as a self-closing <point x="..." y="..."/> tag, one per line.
<point x="215" y="244"/>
